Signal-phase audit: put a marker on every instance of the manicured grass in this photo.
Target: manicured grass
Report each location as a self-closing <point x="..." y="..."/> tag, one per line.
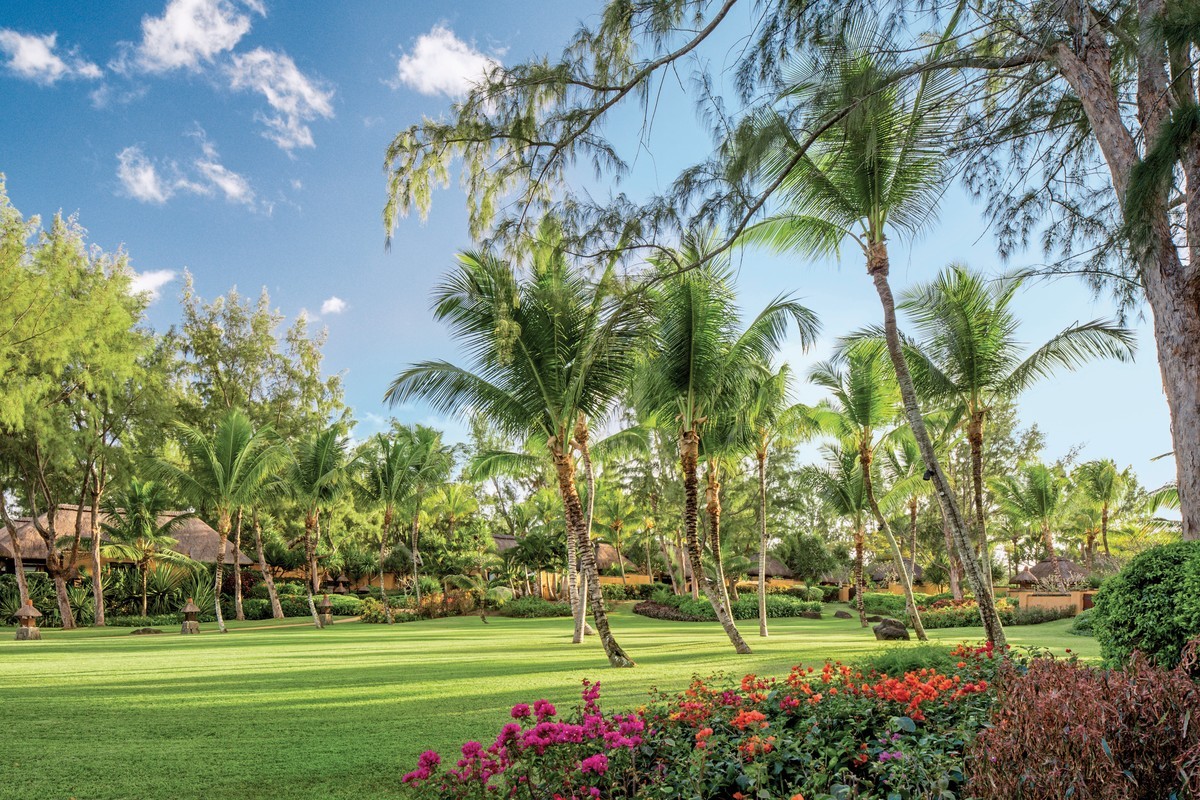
<point x="285" y="711"/>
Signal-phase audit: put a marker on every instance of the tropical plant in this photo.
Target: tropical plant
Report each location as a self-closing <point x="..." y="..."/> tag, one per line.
<point x="701" y="368"/>
<point x="551" y="351"/>
<point x="839" y="483"/>
<point x="484" y="589"/>
<point x="1103" y="484"/>
<point x="1037" y="495"/>
<point x="139" y="530"/>
<point x="615" y="512"/>
<point x="223" y="472"/>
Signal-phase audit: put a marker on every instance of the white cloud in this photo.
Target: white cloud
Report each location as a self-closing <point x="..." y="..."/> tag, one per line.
<point x="296" y="99"/>
<point x="141" y="178"/>
<point x="190" y="32"/>
<point x="32" y="57"/>
<point x="235" y="187"/>
<point x="151" y="282"/>
<point x="334" y="305"/>
<point x="441" y="63"/>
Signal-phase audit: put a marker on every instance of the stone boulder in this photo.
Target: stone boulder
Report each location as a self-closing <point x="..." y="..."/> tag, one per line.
<point x="843" y="615"/>
<point x="810" y="614"/>
<point x="891" y="630"/>
<point x="144" y="631"/>
<point x="874" y="618"/>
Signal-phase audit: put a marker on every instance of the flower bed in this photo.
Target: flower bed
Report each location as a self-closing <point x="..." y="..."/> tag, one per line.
<point x="829" y="733"/>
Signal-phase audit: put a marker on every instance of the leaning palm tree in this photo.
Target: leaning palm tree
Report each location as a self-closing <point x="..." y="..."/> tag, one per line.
<point x="223" y="471"/>
<point x="139" y="530"/>
<point x="1036" y="495"/>
<point x="316" y="477"/>
<point x="876" y="169"/>
<point x="968" y="355"/>
<point x="1104" y="485"/>
<point x="864" y="415"/>
<point x="548" y="350"/>
<point x="701" y="369"/>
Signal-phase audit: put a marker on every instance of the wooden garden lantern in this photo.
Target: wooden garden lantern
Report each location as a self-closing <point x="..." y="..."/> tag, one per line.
<point x="27" y="627"/>
<point x="325" y="611"/>
<point x="342" y="582"/>
<point x="191" y="617"/>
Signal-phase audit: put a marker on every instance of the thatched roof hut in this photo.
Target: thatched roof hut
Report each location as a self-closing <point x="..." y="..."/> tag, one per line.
<point x="1025" y="578"/>
<point x="775" y="568"/>
<point x="504" y="542"/>
<point x="837" y="577"/>
<point x="884" y="571"/>
<point x="606" y="558"/>
<point x="195" y="539"/>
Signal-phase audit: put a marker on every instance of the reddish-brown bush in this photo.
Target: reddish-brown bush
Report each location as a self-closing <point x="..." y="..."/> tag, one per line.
<point x="1064" y="729"/>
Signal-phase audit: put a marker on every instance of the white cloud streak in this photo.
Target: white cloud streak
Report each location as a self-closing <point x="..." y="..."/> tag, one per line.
<point x="441" y="63"/>
<point x="334" y="305"/>
<point x="157" y="181"/>
<point x="151" y="282"/>
<point x="33" y="58"/>
<point x="295" y="98"/>
<point x="191" y="32"/>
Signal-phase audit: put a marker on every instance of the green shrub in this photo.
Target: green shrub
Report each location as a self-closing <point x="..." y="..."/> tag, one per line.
<point x="814" y="593"/>
<point x="138" y="621"/>
<point x="899" y="660"/>
<point x="372" y="611"/>
<point x="778" y="605"/>
<point x="615" y="592"/>
<point x="886" y="604"/>
<point x="535" y="607"/>
<point x="1082" y="626"/>
<point x="1152" y="605"/>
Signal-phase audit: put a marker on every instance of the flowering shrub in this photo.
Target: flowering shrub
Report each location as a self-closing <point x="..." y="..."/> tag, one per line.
<point x="373" y="611"/>
<point x="542" y="755"/>
<point x="1064" y="729"/>
<point x="819" y="734"/>
<point x="688" y="610"/>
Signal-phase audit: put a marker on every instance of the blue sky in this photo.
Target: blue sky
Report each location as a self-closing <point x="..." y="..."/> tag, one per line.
<point x="243" y="140"/>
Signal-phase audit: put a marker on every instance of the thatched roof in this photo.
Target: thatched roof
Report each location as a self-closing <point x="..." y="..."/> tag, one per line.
<point x="880" y="571"/>
<point x="775" y="568"/>
<point x="1072" y="572"/>
<point x="1025" y="578"/>
<point x="606" y="558"/>
<point x="195" y="539"/>
<point x="504" y="541"/>
<point x="836" y="578"/>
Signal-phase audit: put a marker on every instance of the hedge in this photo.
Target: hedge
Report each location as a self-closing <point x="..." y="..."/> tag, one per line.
<point x="534" y="607"/>
<point x="745" y="608"/>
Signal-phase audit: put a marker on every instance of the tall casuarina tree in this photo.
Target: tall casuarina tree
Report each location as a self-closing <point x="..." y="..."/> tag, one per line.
<point x="547" y="349"/>
<point x="223" y="471"/>
<point x="700" y="368"/>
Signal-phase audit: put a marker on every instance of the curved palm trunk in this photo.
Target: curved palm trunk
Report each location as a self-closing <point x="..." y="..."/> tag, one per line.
<point x="238" y="612"/>
<point x="952" y="558"/>
<point x="712" y="496"/>
<point x="416" y="556"/>
<point x="276" y="608"/>
<point x="860" y="581"/>
<point x="910" y="602"/>
<point x="387" y="526"/>
<point x="582" y="628"/>
<point x="912" y="530"/>
<point x="689" y="457"/>
<point x="573" y="583"/>
<point x="620" y="558"/>
<point x="981" y="584"/>
<point x="1104" y="528"/>
<point x="761" y="456"/>
<point x="145" y="570"/>
<point x="576" y="525"/>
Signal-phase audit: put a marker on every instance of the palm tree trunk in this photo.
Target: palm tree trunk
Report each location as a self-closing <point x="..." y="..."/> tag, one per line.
<point x="981" y="584"/>
<point x="145" y="593"/>
<point x="573" y="584"/>
<point x="620" y="558"/>
<point x="762" y="542"/>
<point x="310" y="561"/>
<point x="581" y="437"/>
<point x="712" y="496"/>
<point x="276" y="608"/>
<point x="975" y="437"/>
<point x="576" y="523"/>
<point x="912" y="531"/>
<point x="952" y="562"/>
<point x="416" y="556"/>
<point x="223" y="525"/>
<point x="383" y="532"/>
<point x="860" y="581"/>
<point x="689" y="457"/>
<point x="238" y="612"/>
<point x="1048" y="540"/>
<point x="97" y="574"/>
<point x="1104" y="528"/>
<point x="910" y="602"/>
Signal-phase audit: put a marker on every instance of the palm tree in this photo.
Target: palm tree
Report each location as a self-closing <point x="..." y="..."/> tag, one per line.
<point x="701" y="368"/>
<point x="316" y="477"/>
<point x="876" y="168"/>
<point x="224" y="472"/>
<point x="140" y="529"/>
<point x="1104" y="485"/>
<point x="969" y="355"/>
<point x="866" y="405"/>
<point x="437" y="459"/>
<point x="549" y="350"/>
<point x="770" y="422"/>
<point x="453" y="504"/>
<point x="390" y="468"/>
<point x="615" y="511"/>
<point x="840" y="486"/>
<point x="486" y="590"/>
<point x="1036" y="494"/>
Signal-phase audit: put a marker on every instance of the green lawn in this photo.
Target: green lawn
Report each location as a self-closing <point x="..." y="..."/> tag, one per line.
<point x="285" y="711"/>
